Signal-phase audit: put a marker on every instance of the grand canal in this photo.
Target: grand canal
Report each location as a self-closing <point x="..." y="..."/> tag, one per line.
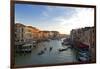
<point x="48" y="57"/>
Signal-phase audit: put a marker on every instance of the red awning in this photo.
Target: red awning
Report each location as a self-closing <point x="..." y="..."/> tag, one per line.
<point x="81" y="45"/>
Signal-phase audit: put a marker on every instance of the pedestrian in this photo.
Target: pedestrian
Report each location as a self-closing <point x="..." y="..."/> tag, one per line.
<point x="50" y="48"/>
<point x="45" y="49"/>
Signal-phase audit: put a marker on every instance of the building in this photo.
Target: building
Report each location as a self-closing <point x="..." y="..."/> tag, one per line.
<point x="85" y="35"/>
<point x="19" y="36"/>
<point x="31" y="33"/>
<point x="45" y="35"/>
<point x="19" y="33"/>
<point x="28" y="35"/>
<point x="85" y="38"/>
<point x="54" y="35"/>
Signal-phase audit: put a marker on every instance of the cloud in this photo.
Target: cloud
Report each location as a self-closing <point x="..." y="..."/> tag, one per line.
<point x="45" y="14"/>
<point x="64" y="19"/>
<point x="54" y="12"/>
<point x="83" y="18"/>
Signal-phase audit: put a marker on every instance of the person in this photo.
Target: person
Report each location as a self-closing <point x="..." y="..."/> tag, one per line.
<point x="50" y="48"/>
<point x="45" y="49"/>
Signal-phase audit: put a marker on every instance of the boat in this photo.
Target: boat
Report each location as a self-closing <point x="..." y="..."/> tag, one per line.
<point x="83" y="56"/>
<point x="40" y="53"/>
<point x="65" y="43"/>
<point x="60" y="50"/>
<point x="34" y="43"/>
<point x="27" y="48"/>
<point x="83" y="53"/>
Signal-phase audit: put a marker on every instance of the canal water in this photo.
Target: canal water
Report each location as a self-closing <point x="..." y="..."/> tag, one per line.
<point x="48" y="57"/>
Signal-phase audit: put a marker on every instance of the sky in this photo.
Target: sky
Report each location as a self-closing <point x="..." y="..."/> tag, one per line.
<point x="54" y="18"/>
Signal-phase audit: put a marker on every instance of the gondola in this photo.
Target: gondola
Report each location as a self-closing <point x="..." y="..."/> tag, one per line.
<point x="40" y="53"/>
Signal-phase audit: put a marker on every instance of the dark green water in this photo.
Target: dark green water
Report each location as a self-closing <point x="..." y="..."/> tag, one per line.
<point x="49" y="57"/>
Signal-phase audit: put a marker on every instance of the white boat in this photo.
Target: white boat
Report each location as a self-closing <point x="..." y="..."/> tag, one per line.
<point x="34" y="43"/>
<point x="27" y="48"/>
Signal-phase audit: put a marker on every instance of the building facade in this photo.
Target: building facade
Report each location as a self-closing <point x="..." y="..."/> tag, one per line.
<point x="85" y="36"/>
<point x="19" y="33"/>
<point x="29" y="33"/>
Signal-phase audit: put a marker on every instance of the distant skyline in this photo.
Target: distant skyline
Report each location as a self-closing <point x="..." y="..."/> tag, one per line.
<point x="54" y="18"/>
